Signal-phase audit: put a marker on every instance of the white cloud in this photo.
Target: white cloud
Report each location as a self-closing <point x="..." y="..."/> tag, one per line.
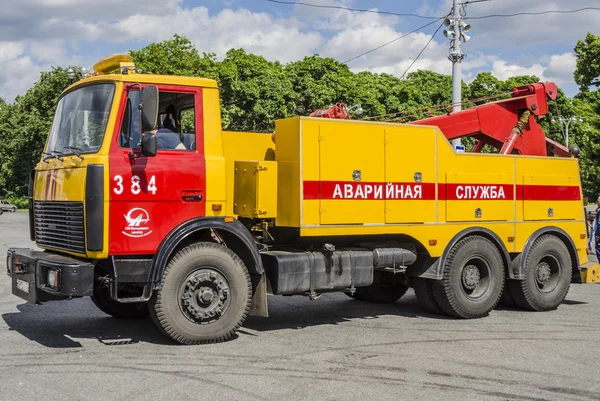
<point x="526" y="31"/>
<point x="17" y="70"/>
<point x="503" y="70"/>
<point x="36" y="34"/>
<point x="260" y="33"/>
<point x="561" y="67"/>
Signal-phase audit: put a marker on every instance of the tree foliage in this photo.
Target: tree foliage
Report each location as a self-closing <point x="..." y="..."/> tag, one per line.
<point x="255" y="92"/>
<point x="587" y="72"/>
<point x="24" y="126"/>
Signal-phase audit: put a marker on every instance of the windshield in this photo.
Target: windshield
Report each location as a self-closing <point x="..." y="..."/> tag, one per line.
<point x="80" y="120"/>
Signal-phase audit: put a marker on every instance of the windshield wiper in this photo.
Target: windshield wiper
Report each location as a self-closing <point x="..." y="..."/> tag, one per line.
<point x="53" y="154"/>
<point x="76" y="151"/>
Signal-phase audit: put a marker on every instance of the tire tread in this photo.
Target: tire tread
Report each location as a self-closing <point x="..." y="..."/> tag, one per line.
<point x="442" y="289"/>
<point x="158" y="313"/>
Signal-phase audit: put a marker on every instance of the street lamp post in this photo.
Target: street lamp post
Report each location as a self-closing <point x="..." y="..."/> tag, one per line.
<point x="567" y="122"/>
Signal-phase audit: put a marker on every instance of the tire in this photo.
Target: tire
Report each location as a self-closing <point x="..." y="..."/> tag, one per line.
<point x="547" y="275"/>
<point x="13" y="209"/>
<point x="382" y="291"/>
<point x="473" y="279"/>
<point x="102" y="300"/>
<point x="506" y="299"/>
<point x="205" y="295"/>
<point x="424" y="291"/>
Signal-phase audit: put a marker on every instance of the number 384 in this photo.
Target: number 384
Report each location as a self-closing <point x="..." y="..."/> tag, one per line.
<point x="135" y="186"/>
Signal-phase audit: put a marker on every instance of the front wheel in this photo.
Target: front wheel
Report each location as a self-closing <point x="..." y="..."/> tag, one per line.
<point x="13" y="209"/>
<point x="205" y="295"/>
<point x="473" y="278"/>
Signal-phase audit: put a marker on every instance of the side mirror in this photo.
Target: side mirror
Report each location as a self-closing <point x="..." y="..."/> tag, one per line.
<point x="149" y="144"/>
<point x="149" y="107"/>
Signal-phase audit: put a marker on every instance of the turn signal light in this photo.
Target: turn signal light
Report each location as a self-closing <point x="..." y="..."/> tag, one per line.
<point x="432" y="242"/>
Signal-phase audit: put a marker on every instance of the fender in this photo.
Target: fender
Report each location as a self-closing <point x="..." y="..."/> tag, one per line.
<point x="184" y="230"/>
<point x="519" y="264"/>
<point x="435" y="269"/>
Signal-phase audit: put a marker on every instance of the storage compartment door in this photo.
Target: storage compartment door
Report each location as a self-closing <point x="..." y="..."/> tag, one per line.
<point x="550" y="197"/>
<point x="351" y="167"/>
<point x="410" y="169"/>
<point x="480" y="197"/>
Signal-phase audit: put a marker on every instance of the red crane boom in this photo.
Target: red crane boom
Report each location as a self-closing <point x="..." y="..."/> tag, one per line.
<point x="509" y="125"/>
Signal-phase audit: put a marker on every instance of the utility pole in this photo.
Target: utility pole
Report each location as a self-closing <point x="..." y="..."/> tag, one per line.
<point x="456" y="32"/>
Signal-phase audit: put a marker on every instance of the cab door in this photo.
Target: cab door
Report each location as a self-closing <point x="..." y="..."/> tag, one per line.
<point x="150" y="196"/>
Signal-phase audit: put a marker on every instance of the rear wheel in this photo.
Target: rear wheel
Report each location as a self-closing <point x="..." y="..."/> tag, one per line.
<point x="424" y="292"/>
<point x="13" y="209"/>
<point x="473" y="278"/>
<point x="106" y="304"/>
<point x="384" y="290"/>
<point x="547" y="275"/>
<point x="205" y="295"/>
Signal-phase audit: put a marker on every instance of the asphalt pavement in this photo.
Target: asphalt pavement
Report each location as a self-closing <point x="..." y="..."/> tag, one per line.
<point x="334" y="348"/>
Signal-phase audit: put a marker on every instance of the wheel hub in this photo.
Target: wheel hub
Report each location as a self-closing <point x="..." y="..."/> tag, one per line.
<point x="204" y="296"/>
<point x="543" y="273"/>
<point x="470" y="277"/>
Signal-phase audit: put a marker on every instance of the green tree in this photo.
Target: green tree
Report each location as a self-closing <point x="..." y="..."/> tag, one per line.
<point x="176" y="56"/>
<point x="24" y="126"/>
<point x="318" y="82"/>
<point x="254" y="92"/>
<point x="587" y="72"/>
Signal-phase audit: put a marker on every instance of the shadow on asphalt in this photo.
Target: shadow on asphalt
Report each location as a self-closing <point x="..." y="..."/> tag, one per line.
<point x="56" y="327"/>
<point x="297" y="312"/>
<point x="60" y="324"/>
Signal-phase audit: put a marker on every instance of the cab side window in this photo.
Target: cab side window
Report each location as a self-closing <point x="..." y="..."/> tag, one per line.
<point x="176" y="121"/>
<point x="130" y="134"/>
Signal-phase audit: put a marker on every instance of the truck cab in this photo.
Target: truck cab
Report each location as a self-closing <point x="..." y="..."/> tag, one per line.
<point x="143" y="203"/>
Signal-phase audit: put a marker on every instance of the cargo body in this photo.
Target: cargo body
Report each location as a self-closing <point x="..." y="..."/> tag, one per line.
<point x="196" y="226"/>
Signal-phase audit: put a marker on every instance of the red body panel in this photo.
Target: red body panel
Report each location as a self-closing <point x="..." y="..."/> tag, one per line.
<point x="146" y="195"/>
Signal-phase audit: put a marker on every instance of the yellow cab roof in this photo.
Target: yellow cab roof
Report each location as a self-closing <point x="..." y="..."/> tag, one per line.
<point x="146" y="79"/>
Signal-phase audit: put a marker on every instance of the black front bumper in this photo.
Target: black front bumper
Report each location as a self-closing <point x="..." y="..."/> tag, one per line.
<point x="29" y="271"/>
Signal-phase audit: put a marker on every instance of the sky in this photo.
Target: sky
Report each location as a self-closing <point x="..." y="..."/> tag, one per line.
<point x="38" y="34"/>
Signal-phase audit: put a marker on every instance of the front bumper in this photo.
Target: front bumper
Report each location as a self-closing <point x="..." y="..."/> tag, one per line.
<point x="42" y="276"/>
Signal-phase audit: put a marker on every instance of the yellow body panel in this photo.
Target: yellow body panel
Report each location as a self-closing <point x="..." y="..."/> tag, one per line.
<point x="404" y="163"/>
<point x="457" y="190"/>
<point x="478" y="210"/>
<point x="339" y="158"/>
<point x="255" y="186"/>
<point x="239" y="146"/>
<point x="219" y="195"/>
<point x="65" y="180"/>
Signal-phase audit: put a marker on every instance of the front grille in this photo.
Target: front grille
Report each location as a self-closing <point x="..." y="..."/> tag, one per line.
<point x="59" y="225"/>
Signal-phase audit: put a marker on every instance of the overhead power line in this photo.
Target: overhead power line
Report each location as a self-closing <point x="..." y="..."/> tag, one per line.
<point x="475" y="1"/>
<point x="536" y="13"/>
<point x="393" y="40"/>
<point x="424" y="48"/>
<point x="300" y="3"/>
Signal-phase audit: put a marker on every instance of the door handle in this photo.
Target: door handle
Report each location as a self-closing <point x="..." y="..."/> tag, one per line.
<point x="191" y="198"/>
